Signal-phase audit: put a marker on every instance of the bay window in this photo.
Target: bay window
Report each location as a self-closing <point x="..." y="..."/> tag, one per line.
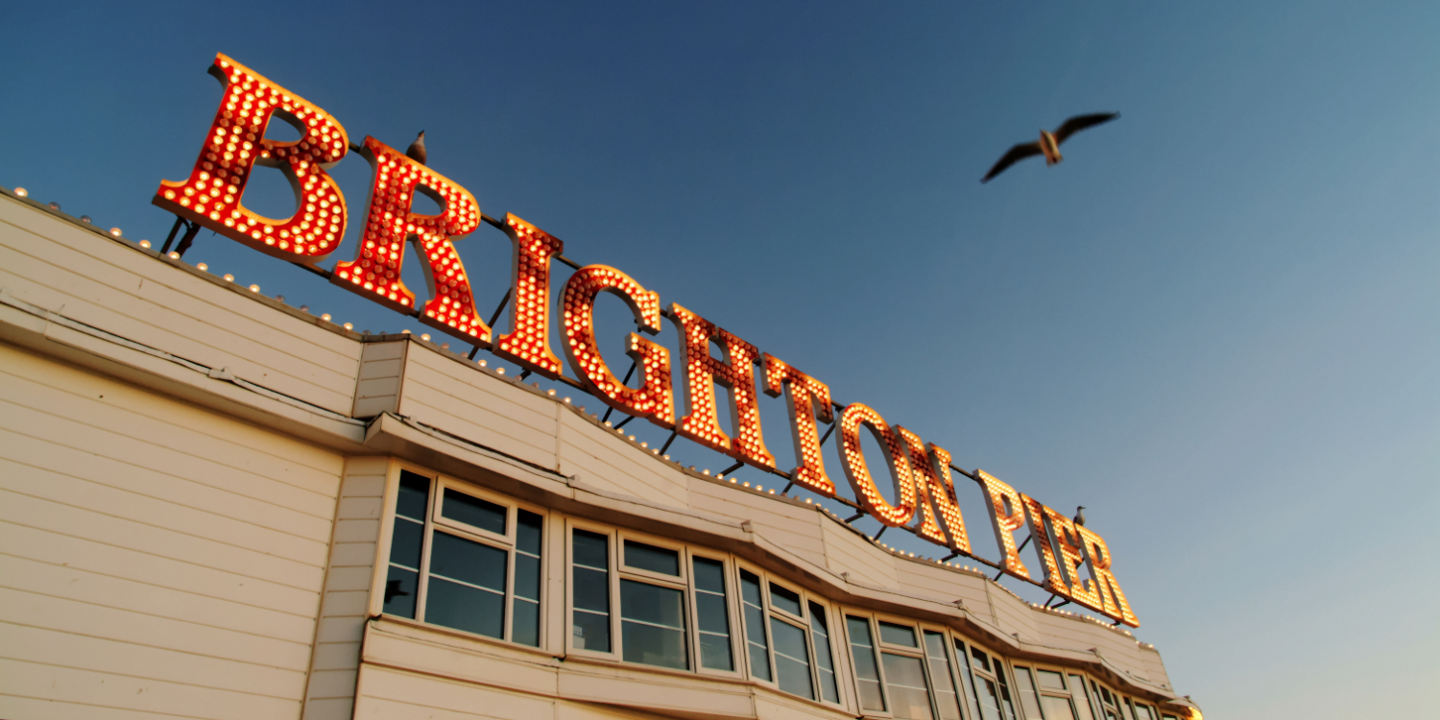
<point x="464" y="559"/>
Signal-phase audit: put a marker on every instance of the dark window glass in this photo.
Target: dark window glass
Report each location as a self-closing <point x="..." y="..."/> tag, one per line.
<point x="473" y="511"/>
<point x="1006" y="703"/>
<point x="529" y="527"/>
<point x="897" y="634"/>
<point x="905" y="678"/>
<point x="712" y="616"/>
<point x="652" y="624"/>
<point x="525" y="607"/>
<point x="820" y="633"/>
<point x="867" y="673"/>
<point x="464" y="607"/>
<point x="654" y="559"/>
<point x="468" y="562"/>
<point x="946" y="699"/>
<point x="1025" y="686"/>
<point x="786" y="600"/>
<point x="756" y="642"/>
<point x="982" y="661"/>
<point x="401" y="586"/>
<point x="406" y="541"/>
<point x="792" y="659"/>
<point x="590" y="576"/>
<point x="413" y="497"/>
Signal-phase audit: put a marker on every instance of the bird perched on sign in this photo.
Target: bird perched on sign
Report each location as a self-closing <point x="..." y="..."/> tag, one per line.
<point x="1049" y="143"/>
<point x="416" y="151"/>
<point x="1080" y="516"/>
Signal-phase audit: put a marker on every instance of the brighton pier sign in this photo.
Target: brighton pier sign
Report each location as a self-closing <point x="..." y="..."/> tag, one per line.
<point x="920" y="472"/>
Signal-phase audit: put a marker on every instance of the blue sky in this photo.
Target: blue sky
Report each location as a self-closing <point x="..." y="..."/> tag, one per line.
<point x="1215" y="324"/>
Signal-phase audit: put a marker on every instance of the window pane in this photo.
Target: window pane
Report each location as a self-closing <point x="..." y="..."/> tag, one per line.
<point x="528" y="527"/>
<point x="792" y="659"/>
<point x="405" y="542"/>
<point x="712" y="615"/>
<point x="1029" y="702"/>
<point x="905" y="679"/>
<point x="786" y="600"/>
<point x="652" y="624"/>
<point x="1142" y="712"/>
<point x="400" y="589"/>
<point x="1050" y="680"/>
<point x="867" y="674"/>
<point x="471" y="510"/>
<point x="1058" y="708"/>
<point x="591" y="631"/>
<point x="413" y="497"/>
<point x="989" y="698"/>
<point x="756" y="643"/>
<point x="526" y="622"/>
<point x="1082" y="699"/>
<point x="897" y="634"/>
<point x="982" y="661"/>
<point x="591" y="549"/>
<point x="467" y="561"/>
<point x="941" y="680"/>
<point x="590" y="591"/>
<point x="820" y="633"/>
<point x="652" y="604"/>
<point x="967" y="680"/>
<point x="1007" y="706"/>
<point x="527" y="577"/>
<point x="715" y="652"/>
<point x="465" y="608"/>
<point x="710" y="575"/>
<point x="654" y="559"/>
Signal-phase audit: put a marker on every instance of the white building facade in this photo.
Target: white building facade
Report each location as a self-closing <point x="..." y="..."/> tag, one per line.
<point x="218" y="506"/>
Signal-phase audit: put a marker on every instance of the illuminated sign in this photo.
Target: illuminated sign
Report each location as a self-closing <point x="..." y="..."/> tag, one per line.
<point x="919" y="472"/>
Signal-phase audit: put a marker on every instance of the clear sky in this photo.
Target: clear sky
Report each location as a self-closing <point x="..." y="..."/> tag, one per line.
<point x="1216" y="324"/>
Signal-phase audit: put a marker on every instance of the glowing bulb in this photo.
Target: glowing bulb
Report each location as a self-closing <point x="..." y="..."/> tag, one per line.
<point x="500" y="371"/>
<point x="145" y="244"/>
<point x="349" y="326"/>
<point x="229" y="277"/>
<point x="115" y="232"/>
<point x="198" y="266"/>
<point x="174" y="255"/>
<point x="255" y="288"/>
<point x="22" y="192"/>
<point x="325" y="317"/>
<point x="425" y="337"/>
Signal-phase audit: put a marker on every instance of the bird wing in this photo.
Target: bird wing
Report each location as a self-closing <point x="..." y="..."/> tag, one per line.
<point x="1080" y="122"/>
<point x="1016" y="154"/>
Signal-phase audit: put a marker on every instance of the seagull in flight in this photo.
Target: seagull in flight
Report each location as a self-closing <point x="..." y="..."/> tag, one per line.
<point x="1049" y="143"/>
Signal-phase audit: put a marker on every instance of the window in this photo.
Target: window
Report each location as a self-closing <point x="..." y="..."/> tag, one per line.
<point x="1047" y="690"/>
<point x="942" y="676"/>
<point x="480" y="556"/>
<point x="787" y="638"/>
<point x="992" y="693"/>
<point x="899" y="682"/>
<point x="1109" y="703"/>
<point x="654" y="589"/>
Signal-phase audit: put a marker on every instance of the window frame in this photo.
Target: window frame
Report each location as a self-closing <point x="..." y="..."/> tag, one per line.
<point x="432" y="522"/>
<point x="1042" y="692"/>
<point x="802" y="623"/>
<point x="918" y="652"/>
<point x="998" y="673"/>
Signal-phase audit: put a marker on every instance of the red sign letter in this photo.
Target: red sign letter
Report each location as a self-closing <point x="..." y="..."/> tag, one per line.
<point x="1097" y="558"/>
<point x="852" y="457"/>
<point x="375" y="271"/>
<point x="736" y="373"/>
<point x="1007" y="514"/>
<point x="528" y="342"/>
<point x="931" y="465"/>
<point x="236" y="143"/>
<point x="653" y="399"/>
<point x="799" y="391"/>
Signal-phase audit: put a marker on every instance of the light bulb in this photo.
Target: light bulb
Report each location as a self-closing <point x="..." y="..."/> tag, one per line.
<point x="349" y="326"/>
<point x="198" y="266"/>
<point x="325" y="317"/>
<point x="255" y="288"/>
<point x="145" y="244"/>
<point x="174" y="255"/>
<point x="22" y="192"/>
<point x="229" y="277"/>
<point x="115" y="232"/>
